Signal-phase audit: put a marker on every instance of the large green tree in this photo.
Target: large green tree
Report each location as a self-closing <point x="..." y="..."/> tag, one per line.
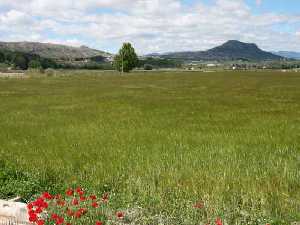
<point x="126" y="60"/>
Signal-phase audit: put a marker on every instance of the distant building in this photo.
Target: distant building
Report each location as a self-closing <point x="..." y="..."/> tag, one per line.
<point x="211" y="65"/>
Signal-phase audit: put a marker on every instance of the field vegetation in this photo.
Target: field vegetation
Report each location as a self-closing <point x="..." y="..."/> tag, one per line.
<point x="172" y="147"/>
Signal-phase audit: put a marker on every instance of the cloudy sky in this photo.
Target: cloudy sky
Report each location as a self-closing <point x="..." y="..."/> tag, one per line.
<point x="153" y="25"/>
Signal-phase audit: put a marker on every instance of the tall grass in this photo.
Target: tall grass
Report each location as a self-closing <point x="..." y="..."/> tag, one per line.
<point x="163" y="140"/>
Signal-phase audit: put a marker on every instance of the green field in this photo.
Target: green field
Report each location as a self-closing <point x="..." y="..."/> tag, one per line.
<point x="160" y="141"/>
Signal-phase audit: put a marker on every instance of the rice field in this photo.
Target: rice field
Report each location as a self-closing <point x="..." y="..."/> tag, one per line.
<point x="159" y="142"/>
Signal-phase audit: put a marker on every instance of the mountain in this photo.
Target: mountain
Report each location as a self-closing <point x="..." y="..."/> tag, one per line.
<point x="53" y="51"/>
<point x="286" y="54"/>
<point x="231" y="50"/>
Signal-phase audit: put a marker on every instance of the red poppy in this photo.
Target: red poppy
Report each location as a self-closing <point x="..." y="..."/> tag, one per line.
<point x="57" y="196"/>
<point x="219" y="221"/>
<point x="68" y="223"/>
<point x="83" y="210"/>
<point x="75" y="201"/>
<point x="78" y="214"/>
<point x="82" y="198"/>
<point x="46" y="195"/>
<point x="38" y="210"/>
<point x="199" y="205"/>
<point x="31" y="211"/>
<point x="54" y="216"/>
<point x="120" y="215"/>
<point x="40" y="202"/>
<point x="105" y="197"/>
<point x="29" y="206"/>
<point x="70" y="192"/>
<point x="99" y="222"/>
<point x="33" y="217"/>
<point x="61" y="203"/>
<point x="80" y="191"/>
<point x="60" y="220"/>
<point x="93" y="197"/>
<point x="70" y="212"/>
<point x="95" y="205"/>
<point x="40" y="222"/>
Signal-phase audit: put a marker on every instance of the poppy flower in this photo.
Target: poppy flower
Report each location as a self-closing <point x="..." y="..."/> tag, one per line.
<point x="75" y="201"/>
<point x="54" y="216"/>
<point x="199" y="205"/>
<point x="95" y="205"/>
<point x="83" y="210"/>
<point x="33" y="217"/>
<point x="80" y="191"/>
<point x="77" y="214"/>
<point x="60" y="220"/>
<point x="70" y="212"/>
<point x="105" y="197"/>
<point x="38" y="210"/>
<point x="61" y="203"/>
<point x="57" y="196"/>
<point x="93" y="197"/>
<point x="82" y="198"/>
<point x="46" y="195"/>
<point x="120" y="215"/>
<point x="70" y="192"/>
<point x="29" y="206"/>
<point x="40" y="202"/>
<point x="99" y="222"/>
<point x="80" y="212"/>
<point x="40" y="222"/>
<point x="219" y="221"/>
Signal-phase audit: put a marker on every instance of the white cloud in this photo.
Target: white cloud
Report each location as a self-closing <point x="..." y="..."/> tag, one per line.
<point x="151" y="25"/>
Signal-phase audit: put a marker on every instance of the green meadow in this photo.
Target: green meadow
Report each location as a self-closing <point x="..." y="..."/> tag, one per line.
<point x="158" y="142"/>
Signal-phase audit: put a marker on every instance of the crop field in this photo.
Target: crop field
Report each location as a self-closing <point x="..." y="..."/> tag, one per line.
<point x="159" y="142"/>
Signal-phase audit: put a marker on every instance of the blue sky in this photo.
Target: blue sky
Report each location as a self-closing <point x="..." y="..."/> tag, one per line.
<point x="153" y="25"/>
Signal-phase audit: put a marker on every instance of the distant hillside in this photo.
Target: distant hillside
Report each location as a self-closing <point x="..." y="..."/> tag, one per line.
<point x="53" y="51"/>
<point x="290" y="55"/>
<point x="231" y="50"/>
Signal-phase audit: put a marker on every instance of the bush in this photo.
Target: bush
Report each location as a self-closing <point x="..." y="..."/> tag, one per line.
<point x="148" y="67"/>
<point x="15" y="182"/>
<point x="50" y="72"/>
<point x="34" y="64"/>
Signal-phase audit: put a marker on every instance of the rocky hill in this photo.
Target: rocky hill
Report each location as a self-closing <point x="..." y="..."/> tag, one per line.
<point x="53" y="51"/>
<point x="231" y="50"/>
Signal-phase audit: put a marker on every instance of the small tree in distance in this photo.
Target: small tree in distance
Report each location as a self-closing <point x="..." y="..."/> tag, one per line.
<point x="34" y="64"/>
<point x="126" y="60"/>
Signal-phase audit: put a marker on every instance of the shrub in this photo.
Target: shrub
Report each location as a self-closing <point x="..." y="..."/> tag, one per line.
<point x="34" y="64"/>
<point x="50" y="72"/>
<point x="14" y="182"/>
<point x="148" y="67"/>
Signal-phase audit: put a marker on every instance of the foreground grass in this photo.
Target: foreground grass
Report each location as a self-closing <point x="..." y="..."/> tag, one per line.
<point x="160" y="141"/>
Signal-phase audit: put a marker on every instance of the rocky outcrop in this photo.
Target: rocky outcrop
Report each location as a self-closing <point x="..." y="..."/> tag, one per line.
<point x="12" y="212"/>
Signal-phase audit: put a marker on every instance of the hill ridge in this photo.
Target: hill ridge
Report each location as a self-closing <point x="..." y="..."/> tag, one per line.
<point x="230" y="50"/>
<point x="53" y="51"/>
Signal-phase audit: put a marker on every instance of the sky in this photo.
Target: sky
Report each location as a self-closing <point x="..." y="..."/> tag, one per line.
<point x="153" y="26"/>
